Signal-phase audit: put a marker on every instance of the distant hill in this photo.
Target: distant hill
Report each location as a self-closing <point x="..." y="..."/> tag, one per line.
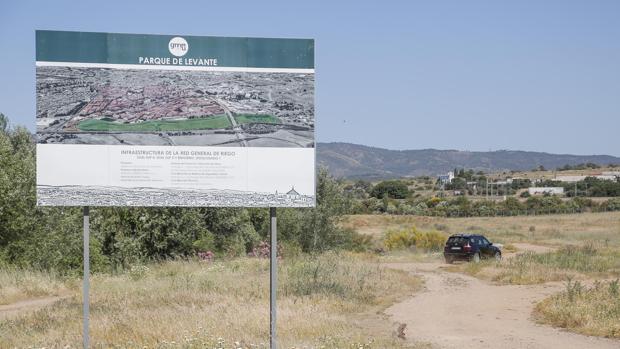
<point x="358" y="161"/>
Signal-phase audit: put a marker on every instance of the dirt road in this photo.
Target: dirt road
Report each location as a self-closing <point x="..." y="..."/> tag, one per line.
<point x="9" y="310"/>
<point x="458" y="311"/>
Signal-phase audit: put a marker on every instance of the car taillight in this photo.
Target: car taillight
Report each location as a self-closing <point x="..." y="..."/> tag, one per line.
<point x="467" y="248"/>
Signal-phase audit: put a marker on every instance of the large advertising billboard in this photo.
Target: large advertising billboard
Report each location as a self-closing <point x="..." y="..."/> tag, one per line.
<point x="168" y="120"/>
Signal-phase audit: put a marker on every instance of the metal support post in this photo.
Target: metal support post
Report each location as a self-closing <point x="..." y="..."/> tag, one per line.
<point x="273" y="273"/>
<point x="86" y="280"/>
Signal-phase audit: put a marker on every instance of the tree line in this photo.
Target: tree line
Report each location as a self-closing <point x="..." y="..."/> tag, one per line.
<point x="395" y="197"/>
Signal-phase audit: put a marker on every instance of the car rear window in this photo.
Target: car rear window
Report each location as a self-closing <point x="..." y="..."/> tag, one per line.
<point x="457" y="240"/>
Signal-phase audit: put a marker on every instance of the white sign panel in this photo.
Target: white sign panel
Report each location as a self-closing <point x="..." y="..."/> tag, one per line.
<point x="156" y="120"/>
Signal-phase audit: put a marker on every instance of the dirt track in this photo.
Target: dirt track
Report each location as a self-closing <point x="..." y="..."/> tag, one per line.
<point x="9" y="310"/>
<point x="458" y="311"/>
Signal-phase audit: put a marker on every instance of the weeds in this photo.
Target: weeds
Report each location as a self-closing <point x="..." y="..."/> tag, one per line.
<point x="138" y="272"/>
<point x="223" y="304"/>
<point x="588" y="310"/>
<point x="329" y="275"/>
<point x="573" y="289"/>
<point x="509" y="248"/>
<point x="614" y="288"/>
<point x="531" y="268"/>
<point x="431" y="241"/>
<point x="18" y="284"/>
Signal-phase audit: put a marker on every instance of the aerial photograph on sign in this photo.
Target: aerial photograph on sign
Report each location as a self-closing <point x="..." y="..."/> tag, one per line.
<point x="87" y="105"/>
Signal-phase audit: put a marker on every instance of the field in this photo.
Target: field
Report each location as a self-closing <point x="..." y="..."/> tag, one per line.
<point x="547" y="230"/>
<point x="256" y="118"/>
<point x="17" y="285"/>
<point x="562" y="275"/>
<point x="576" y="257"/>
<point x="329" y="301"/>
<point x="206" y="123"/>
<point x="551" y="174"/>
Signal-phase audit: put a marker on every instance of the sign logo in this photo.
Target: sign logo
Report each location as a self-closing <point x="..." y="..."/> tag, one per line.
<point x="178" y="46"/>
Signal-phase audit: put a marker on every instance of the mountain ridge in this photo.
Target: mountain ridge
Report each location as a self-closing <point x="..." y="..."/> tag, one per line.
<point x="356" y="161"/>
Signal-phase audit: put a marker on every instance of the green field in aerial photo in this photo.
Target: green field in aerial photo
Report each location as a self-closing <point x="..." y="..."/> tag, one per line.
<point x="256" y="118"/>
<point x="110" y="125"/>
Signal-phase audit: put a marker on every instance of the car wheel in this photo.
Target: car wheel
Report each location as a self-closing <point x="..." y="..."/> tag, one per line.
<point x="498" y="256"/>
<point x="449" y="260"/>
<point x="476" y="257"/>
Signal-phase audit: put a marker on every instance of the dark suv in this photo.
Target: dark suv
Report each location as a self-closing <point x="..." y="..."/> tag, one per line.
<point x="470" y="247"/>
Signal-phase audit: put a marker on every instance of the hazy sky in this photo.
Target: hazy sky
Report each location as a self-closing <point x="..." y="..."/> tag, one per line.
<point x="469" y="75"/>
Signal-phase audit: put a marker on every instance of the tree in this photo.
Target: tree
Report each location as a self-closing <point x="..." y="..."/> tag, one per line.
<point x="232" y="228"/>
<point x="513" y="204"/>
<point x="4" y="123"/>
<point x="316" y="229"/>
<point x="129" y="235"/>
<point x="390" y="189"/>
<point x="17" y="176"/>
<point x="31" y="236"/>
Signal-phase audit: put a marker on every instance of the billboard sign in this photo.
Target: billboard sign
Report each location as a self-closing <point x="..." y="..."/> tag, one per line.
<point x="169" y="120"/>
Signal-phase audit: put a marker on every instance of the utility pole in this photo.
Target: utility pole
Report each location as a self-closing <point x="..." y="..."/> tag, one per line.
<point x="575" y="189"/>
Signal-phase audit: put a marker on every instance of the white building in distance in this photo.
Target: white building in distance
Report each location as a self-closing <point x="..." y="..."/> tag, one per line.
<point x="447" y="178"/>
<point x="607" y="176"/>
<point x="611" y="173"/>
<point x="545" y="190"/>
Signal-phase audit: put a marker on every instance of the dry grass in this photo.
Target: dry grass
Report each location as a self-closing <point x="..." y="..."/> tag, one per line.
<point x="17" y="285"/>
<point x="585" y="262"/>
<point x="580" y="262"/>
<point x="585" y="247"/>
<point x="323" y="302"/>
<point x="553" y="230"/>
<point x="588" y="310"/>
<point x="571" y="234"/>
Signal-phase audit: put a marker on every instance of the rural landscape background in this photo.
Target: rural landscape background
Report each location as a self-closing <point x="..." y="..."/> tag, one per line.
<point x="363" y="269"/>
<point x="433" y="118"/>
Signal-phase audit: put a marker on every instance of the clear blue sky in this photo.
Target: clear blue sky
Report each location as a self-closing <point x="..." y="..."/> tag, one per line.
<point x="469" y="75"/>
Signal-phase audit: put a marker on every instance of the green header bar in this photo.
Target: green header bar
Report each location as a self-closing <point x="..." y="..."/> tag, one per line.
<point x="177" y="50"/>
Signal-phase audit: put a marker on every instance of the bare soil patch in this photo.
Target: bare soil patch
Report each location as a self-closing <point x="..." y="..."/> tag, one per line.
<point x="459" y="311"/>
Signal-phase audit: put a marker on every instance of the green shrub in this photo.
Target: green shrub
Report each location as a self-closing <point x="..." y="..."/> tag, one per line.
<point x="138" y="272"/>
<point x="234" y="246"/>
<point x="430" y="241"/>
<point x="291" y="249"/>
<point x="204" y="243"/>
<point x="399" y="239"/>
<point x="613" y="204"/>
<point x="390" y="189"/>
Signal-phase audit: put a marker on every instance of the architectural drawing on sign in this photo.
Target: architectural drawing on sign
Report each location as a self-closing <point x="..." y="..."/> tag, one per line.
<point x="117" y="196"/>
